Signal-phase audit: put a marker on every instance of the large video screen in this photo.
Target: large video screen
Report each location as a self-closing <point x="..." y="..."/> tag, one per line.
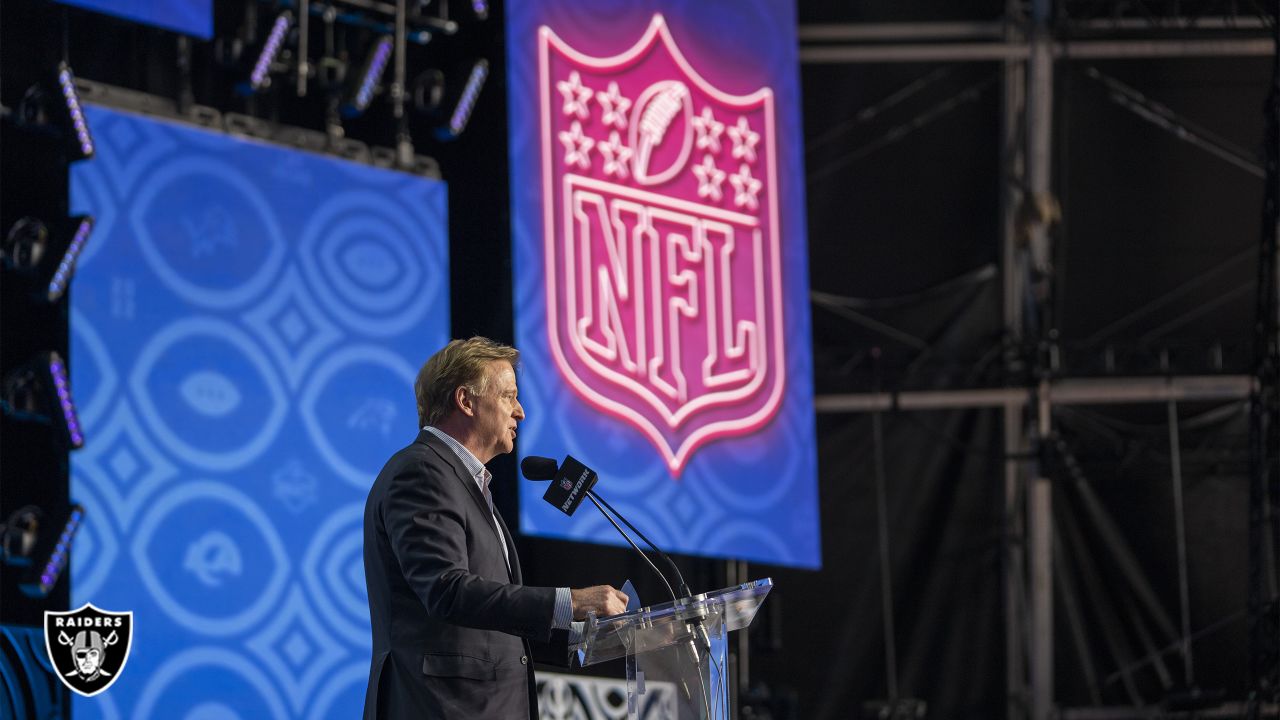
<point x="191" y="17"/>
<point x="661" y="290"/>
<point x="246" y="325"/>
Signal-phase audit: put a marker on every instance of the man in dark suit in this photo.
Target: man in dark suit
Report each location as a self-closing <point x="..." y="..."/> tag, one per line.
<point x="454" y="627"/>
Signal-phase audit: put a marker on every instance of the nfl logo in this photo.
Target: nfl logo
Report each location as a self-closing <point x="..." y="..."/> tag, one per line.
<point x="566" y="484"/>
<point x="661" y="242"/>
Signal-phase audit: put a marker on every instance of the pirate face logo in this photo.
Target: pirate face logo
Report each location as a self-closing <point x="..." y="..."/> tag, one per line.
<point x="88" y="647"/>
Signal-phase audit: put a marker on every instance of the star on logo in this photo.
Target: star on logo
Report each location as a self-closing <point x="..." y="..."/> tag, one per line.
<point x="615" y="155"/>
<point x="613" y="106"/>
<point x="577" y="147"/>
<point x="709" y="178"/>
<point x="709" y="130"/>
<point x="745" y="188"/>
<point x="576" y="95"/>
<point x="744" y="141"/>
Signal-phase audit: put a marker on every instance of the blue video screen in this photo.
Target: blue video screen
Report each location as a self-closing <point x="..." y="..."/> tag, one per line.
<point x="661" y="293"/>
<point x="246" y="324"/>
<point x="190" y="17"/>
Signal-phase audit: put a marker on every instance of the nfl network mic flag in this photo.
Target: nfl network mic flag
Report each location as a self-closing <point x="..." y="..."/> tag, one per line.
<point x="662" y="289"/>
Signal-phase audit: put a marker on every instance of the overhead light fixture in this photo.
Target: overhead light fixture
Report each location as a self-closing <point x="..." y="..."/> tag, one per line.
<point x="75" y="113"/>
<point x="53" y="107"/>
<point x="370" y="78"/>
<point x="66" y="267"/>
<point x="40" y="391"/>
<point x="260" y="77"/>
<point x="466" y="103"/>
<point x="31" y="248"/>
<point x="52" y="552"/>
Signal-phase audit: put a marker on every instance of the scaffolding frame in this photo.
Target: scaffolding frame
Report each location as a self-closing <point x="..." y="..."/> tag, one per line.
<point x="1026" y="45"/>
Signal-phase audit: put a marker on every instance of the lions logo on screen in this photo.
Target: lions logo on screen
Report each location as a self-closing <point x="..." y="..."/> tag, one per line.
<point x="88" y="647"/>
<point x="661" y="242"/>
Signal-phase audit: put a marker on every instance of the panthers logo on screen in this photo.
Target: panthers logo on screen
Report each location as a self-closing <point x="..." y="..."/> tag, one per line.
<point x="661" y="242"/>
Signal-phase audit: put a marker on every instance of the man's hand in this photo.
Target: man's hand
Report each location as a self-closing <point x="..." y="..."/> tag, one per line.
<point x="600" y="599"/>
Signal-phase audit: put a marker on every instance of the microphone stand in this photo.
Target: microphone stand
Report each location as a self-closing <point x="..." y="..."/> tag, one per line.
<point x="597" y="502"/>
<point x="683" y="586"/>
<point x="695" y="625"/>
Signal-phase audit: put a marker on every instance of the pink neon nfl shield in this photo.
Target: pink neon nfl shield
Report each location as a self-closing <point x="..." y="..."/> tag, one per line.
<point x="661" y="242"/>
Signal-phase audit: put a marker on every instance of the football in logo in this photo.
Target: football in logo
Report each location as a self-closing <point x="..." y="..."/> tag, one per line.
<point x="661" y="242"/>
<point x="88" y="647"/>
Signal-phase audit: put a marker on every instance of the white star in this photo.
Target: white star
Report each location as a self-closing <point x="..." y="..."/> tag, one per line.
<point x="709" y="130"/>
<point x="709" y="178"/>
<point x="576" y="95"/>
<point x="744" y="140"/>
<point x="745" y="188"/>
<point x="577" y="147"/>
<point x="613" y="106"/>
<point x="615" y="155"/>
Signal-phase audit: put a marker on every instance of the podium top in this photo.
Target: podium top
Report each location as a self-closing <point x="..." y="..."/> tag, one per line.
<point x="659" y="626"/>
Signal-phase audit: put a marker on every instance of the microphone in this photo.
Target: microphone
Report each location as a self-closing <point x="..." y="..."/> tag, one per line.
<point x="539" y="468"/>
<point x="573" y="481"/>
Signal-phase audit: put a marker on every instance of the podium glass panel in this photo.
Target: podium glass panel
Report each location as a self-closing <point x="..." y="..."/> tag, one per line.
<point x="676" y="651"/>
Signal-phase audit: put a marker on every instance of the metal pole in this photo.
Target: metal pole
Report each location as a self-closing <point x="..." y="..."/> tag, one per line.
<point x="404" y="145"/>
<point x="1067" y="391"/>
<point x="996" y="51"/>
<point x="1013" y="557"/>
<point x="886" y="576"/>
<point x="1040" y="529"/>
<point x="304" y="49"/>
<point x="1180" y="531"/>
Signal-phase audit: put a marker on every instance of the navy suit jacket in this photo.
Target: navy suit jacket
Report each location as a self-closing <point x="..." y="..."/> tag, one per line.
<point x="452" y="627"/>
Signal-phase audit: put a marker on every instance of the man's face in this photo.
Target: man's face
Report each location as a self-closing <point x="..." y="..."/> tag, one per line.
<point x="87" y="660"/>
<point x="496" y="411"/>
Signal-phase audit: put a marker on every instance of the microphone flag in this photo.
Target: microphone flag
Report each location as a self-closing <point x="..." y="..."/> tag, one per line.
<point x="570" y="485"/>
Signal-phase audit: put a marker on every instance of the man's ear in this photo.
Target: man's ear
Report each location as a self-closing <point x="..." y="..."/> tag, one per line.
<point x="464" y="401"/>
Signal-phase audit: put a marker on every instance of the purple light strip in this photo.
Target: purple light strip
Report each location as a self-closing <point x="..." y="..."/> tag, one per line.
<point x="67" y="266"/>
<point x="58" y="371"/>
<point x="58" y="560"/>
<point x="258" y="78"/>
<point x="466" y="103"/>
<point x="67" y="82"/>
<point x="369" y="83"/>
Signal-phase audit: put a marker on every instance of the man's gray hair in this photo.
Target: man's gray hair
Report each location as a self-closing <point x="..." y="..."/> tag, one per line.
<point x="461" y="363"/>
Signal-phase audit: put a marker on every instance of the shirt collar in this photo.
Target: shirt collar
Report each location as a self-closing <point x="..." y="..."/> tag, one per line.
<point x="472" y="463"/>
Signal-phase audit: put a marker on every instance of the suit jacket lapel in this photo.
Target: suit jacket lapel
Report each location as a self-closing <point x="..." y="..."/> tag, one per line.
<point x="513" y="566"/>
<point x="451" y="457"/>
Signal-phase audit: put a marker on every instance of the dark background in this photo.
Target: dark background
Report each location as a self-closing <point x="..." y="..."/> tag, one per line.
<point x="898" y="204"/>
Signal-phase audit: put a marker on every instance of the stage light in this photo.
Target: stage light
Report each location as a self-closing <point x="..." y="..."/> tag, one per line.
<point x="62" y="389"/>
<point x="30" y="248"/>
<point x="67" y="84"/>
<point x="370" y="77"/>
<point x="55" y="551"/>
<point x="480" y="8"/>
<point x="466" y="101"/>
<point x="261" y="75"/>
<point x="427" y="91"/>
<point x="52" y="107"/>
<point x="40" y="391"/>
<point x="67" y="265"/>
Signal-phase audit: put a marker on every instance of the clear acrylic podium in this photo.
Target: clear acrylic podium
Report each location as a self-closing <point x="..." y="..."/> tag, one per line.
<point x="676" y="651"/>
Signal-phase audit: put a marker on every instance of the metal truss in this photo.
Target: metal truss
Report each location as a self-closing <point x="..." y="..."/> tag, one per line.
<point x="1028" y="43"/>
